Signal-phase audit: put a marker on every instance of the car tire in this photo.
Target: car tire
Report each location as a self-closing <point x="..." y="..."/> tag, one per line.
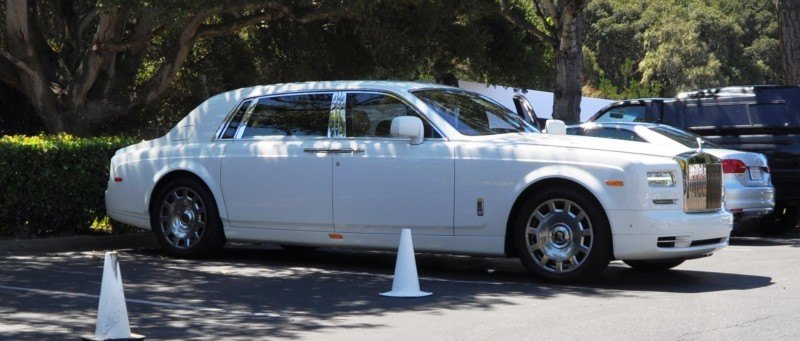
<point x="654" y="265"/>
<point x="185" y="219"/>
<point x="782" y="220"/>
<point x="562" y="235"/>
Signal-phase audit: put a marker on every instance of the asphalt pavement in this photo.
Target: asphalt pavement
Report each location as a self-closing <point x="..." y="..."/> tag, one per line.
<point x="749" y="290"/>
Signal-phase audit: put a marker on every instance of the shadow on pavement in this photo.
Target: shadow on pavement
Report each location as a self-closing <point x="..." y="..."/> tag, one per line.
<point x="250" y="292"/>
<point x="755" y="239"/>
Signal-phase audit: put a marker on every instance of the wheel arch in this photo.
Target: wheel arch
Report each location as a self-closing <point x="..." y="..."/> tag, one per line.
<point x="181" y="173"/>
<point x="538" y="185"/>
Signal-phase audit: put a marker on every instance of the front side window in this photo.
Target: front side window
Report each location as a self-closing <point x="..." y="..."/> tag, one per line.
<point x="633" y="113"/>
<point x="371" y="114"/>
<point x="472" y="114"/>
<point x="290" y="115"/>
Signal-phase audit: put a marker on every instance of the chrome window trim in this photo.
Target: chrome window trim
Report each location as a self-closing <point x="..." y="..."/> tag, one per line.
<point x="227" y="121"/>
<point x="337" y="124"/>
<point x="422" y="116"/>
<point x="246" y="119"/>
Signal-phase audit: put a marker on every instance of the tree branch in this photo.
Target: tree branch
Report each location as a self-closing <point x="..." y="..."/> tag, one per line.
<point x="550" y="27"/>
<point x="9" y="71"/>
<point x="136" y="44"/>
<point x="89" y="68"/>
<point x="314" y="16"/>
<point x="85" y="21"/>
<point x="19" y="64"/>
<point x="173" y="60"/>
<point x="521" y="23"/>
<point x="216" y="30"/>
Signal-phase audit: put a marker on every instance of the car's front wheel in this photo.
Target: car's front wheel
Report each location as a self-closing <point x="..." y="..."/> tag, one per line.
<point x="185" y="219"/>
<point x="562" y="235"/>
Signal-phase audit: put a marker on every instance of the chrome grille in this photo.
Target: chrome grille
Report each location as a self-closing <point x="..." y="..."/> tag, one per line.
<point x="702" y="182"/>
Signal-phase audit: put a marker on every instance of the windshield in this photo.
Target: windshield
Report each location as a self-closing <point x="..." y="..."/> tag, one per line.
<point x="683" y="137"/>
<point x="472" y="114"/>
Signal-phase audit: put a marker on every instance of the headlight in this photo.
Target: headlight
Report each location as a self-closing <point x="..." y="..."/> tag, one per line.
<point x="661" y="179"/>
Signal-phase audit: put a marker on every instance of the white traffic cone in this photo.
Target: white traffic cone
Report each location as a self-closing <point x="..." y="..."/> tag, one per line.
<point x="406" y="281"/>
<point x="112" y="314"/>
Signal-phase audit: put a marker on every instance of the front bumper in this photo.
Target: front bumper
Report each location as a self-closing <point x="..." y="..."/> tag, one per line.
<point x="666" y="234"/>
<point x="739" y="198"/>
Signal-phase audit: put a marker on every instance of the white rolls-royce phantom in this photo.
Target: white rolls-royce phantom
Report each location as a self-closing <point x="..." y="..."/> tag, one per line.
<point x="350" y="164"/>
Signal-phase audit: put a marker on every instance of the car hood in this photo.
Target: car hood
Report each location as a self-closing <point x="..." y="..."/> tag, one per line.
<point x="588" y="143"/>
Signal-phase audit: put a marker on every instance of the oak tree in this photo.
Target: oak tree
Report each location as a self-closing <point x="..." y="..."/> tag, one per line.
<point x="83" y="63"/>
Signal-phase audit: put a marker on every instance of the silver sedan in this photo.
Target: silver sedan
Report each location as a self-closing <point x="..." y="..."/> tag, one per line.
<point x="749" y="193"/>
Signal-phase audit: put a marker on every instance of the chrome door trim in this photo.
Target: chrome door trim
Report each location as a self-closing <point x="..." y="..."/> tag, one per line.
<point x="334" y="151"/>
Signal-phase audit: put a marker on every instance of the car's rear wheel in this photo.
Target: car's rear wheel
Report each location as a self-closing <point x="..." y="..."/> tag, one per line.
<point x="185" y="219"/>
<point x="562" y="235"/>
<point x="782" y="220"/>
<point x="654" y="265"/>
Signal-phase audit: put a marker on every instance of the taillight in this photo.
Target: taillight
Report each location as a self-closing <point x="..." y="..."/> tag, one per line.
<point x="733" y="166"/>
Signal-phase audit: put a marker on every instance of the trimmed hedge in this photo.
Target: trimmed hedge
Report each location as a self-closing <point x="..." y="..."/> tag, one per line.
<point x="53" y="183"/>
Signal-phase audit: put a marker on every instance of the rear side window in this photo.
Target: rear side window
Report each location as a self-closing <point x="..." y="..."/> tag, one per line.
<point x="774" y="115"/>
<point x="734" y="115"/>
<point x="236" y="120"/>
<point x="683" y="137"/>
<point x="290" y="115"/>
<point x="633" y="113"/>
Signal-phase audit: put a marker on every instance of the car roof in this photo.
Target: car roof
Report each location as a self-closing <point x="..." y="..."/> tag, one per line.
<point x="261" y="90"/>
<point x="622" y="125"/>
<point x="203" y="122"/>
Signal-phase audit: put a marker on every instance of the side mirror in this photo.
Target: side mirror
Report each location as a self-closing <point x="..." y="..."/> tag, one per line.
<point x="555" y="127"/>
<point x="408" y="127"/>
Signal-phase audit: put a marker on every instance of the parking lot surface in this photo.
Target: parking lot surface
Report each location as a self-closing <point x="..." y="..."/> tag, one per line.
<point x="750" y="290"/>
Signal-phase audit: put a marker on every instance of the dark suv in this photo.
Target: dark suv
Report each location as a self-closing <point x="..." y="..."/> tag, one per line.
<point x="763" y="119"/>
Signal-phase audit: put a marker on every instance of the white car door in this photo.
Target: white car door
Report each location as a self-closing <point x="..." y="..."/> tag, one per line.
<point x="276" y="172"/>
<point x="382" y="184"/>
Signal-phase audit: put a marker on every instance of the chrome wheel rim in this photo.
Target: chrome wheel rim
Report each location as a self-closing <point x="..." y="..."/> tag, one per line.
<point x="559" y="236"/>
<point x="183" y="218"/>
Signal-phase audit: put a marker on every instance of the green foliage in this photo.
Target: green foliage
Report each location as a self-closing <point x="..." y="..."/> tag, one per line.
<point x="633" y="89"/>
<point x="405" y="40"/>
<point x="53" y="184"/>
<point x="681" y="44"/>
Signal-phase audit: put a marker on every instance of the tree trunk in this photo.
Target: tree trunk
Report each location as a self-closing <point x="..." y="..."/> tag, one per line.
<point x="561" y="26"/>
<point x="568" y="60"/>
<point x="789" y="23"/>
